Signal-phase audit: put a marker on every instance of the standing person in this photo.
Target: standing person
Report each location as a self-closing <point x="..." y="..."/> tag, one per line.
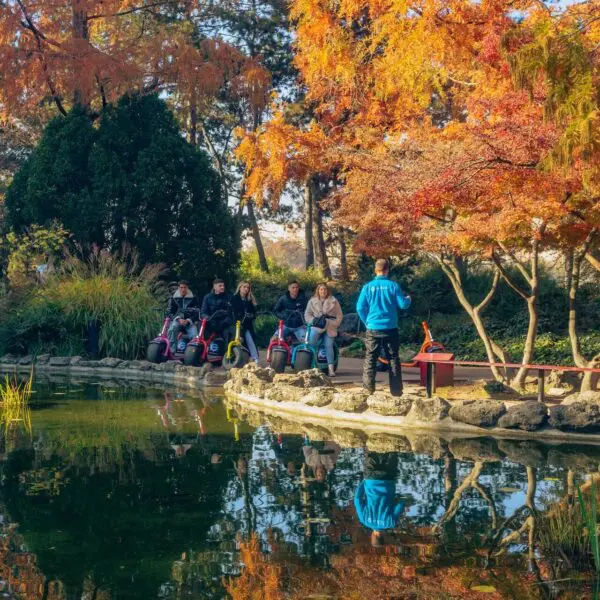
<point x="218" y="301"/>
<point x="183" y="309"/>
<point x="377" y="307"/>
<point x="375" y="498"/>
<point x="324" y="313"/>
<point x="290" y="309"/>
<point x="244" y="310"/>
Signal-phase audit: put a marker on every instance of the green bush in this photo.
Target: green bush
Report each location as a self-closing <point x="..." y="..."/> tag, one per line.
<point x="110" y="289"/>
<point x="264" y="328"/>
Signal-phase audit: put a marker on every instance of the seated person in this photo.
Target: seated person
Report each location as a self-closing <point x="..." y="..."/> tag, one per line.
<point x="218" y="301"/>
<point x="290" y="309"/>
<point x="375" y="498"/>
<point x="244" y="310"/>
<point x="183" y="309"/>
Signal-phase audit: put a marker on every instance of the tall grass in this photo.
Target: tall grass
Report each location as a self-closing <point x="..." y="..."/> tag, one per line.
<point x="114" y="291"/>
<point x="14" y="404"/>
<point x="590" y="518"/>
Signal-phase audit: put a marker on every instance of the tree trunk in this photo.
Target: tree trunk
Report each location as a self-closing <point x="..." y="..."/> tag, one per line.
<point x="80" y="40"/>
<point x="308" y="226"/>
<point x="519" y="381"/>
<point x="262" y="259"/>
<point x="193" y="131"/>
<point x="320" y="251"/>
<point x="344" y="273"/>
<point x="452" y="271"/>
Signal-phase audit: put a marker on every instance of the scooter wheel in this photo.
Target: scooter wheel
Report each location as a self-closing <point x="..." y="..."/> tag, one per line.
<point x="156" y="352"/>
<point x="192" y="356"/>
<point x="278" y="360"/>
<point x="239" y="357"/>
<point x="303" y="360"/>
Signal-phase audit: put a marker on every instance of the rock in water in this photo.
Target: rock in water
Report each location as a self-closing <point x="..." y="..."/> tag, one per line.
<point x="528" y="416"/>
<point x="580" y="417"/>
<point x="481" y="413"/>
<point x="350" y="401"/>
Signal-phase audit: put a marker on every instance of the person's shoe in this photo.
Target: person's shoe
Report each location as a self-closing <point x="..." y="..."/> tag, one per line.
<point x="331" y="371"/>
<point x="371" y="390"/>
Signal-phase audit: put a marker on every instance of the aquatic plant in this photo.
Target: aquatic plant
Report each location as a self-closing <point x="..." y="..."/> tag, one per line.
<point x="590" y="519"/>
<point x="14" y="403"/>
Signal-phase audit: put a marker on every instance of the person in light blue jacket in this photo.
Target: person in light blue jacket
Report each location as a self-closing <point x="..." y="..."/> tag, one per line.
<point x="378" y="306"/>
<point x="375" y="498"/>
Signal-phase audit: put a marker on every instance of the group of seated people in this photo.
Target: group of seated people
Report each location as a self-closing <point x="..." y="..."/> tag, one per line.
<point x="222" y="309"/>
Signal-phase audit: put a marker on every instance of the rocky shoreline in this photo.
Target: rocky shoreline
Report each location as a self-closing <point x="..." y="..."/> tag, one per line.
<point x="310" y="396"/>
<point x="172" y="372"/>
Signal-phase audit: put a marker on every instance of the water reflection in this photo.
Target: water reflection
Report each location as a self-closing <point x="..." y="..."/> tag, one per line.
<point x="163" y="495"/>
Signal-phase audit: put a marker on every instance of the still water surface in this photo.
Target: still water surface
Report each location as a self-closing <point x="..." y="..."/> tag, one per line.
<point x="143" y="494"/>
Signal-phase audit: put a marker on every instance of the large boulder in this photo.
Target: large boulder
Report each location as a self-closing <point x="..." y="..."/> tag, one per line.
<point x="60" y="361"/>
<point x="284" y="393"/>
<point x="317" y="433"/>
<point x="111" y="362"/>
<point x="252" y="379"/>
<point x="525" y="452"/>
<point x="26" y="360"/>
<point x="42" y="359"/>
<point x="528" y="416"/>
<point x="384" y="403"/>
<point x="429" y="445"/>
<point x="481" y="413"/>
<point x="349" y="438"/>
<point x="428" y="410"/>
<point x="565" y="380"/>
<point x="579" y="417"/>
<point x="476" y="450"/>
<point x="9" y="359"/>
<point x="305" y="379"/>
<point x="319" y="396"/>
<point x="140" y="365"/>
<point x="354" y="401"/>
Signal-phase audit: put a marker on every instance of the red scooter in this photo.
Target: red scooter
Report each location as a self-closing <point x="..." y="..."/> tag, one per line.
<point x="196" y="351"/>
<point x="280" y="350"/>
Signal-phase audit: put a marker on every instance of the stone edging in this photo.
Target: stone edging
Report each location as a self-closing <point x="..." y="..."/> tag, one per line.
<point x="310" y="397"/>
<point x="171" y="372"/>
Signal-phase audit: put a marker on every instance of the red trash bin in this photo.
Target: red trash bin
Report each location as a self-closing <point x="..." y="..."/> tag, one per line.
<point x="444" y="373"/>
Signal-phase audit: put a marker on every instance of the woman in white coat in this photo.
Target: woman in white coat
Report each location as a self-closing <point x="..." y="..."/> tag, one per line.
<point x="323" y="304"/>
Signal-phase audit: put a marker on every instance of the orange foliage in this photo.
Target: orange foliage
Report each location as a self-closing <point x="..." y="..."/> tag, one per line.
<point x="94" y="51"/>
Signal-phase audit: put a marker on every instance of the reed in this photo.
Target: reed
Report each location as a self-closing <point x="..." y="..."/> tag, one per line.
<point x="590" y="518"/>
<point x="14" y="403"/>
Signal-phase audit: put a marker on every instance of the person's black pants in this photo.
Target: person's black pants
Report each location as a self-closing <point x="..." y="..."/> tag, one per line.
<point x="388" y="341"/>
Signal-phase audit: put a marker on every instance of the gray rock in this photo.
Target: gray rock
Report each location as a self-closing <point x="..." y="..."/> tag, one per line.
<point x="481" y="413"/>
<point x="384" y="403"/>
<point x="319" y="396"/>
<point x="429" y="410"/>
<point x="565" y="380"/>
<point x="42" y="359"/>
<point x="124" y="364"/>
<point x="580" y="417"/>
<point x="140" y="365"/>
<point x="214" y="378"/>
<point x="476" y="450"/>
<point x="75" y="360"/>
<point x="88" y="364"/>
<point x="528" y="416"/>
<point x="385" y="442"/>
<point x="110" y="362"/>
<point x="60" y="361"/>
<point x="430" y="445"/>
<point x="9" y="359"/>
<point x="284" y="393"/>
<point x="525" y="452"/>
<point x="167" y="367"/>
<point x="26" y="360"/>
<point x="350" y="323"/>
<point x="305" y="379"/>
<point x="354" y="401"/>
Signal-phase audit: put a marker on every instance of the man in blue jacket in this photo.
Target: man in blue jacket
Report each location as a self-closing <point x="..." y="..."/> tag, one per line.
<point x="375" y="498"/>
<point x="378" y="306"/>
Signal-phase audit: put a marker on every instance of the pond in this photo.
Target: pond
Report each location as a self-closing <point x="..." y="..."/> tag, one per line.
<point x="146" y="493"/>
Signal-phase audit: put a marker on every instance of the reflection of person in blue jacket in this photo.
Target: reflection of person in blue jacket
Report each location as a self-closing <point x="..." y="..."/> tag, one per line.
<point x="375" y="498"/>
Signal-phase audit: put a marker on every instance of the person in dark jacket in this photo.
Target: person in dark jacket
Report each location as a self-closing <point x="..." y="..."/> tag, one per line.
<point x="218" y="301"/>
<point x="378" y="306"/>
<point x="183" y="309"/>
<point x="244" y="310"/>
<point x="375" y="498"/>
<point x="290" y="309"/>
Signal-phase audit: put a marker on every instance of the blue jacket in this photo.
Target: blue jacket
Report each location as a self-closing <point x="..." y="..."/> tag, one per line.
<point x="379" y="302"/>
<point x="374" y="503"/>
